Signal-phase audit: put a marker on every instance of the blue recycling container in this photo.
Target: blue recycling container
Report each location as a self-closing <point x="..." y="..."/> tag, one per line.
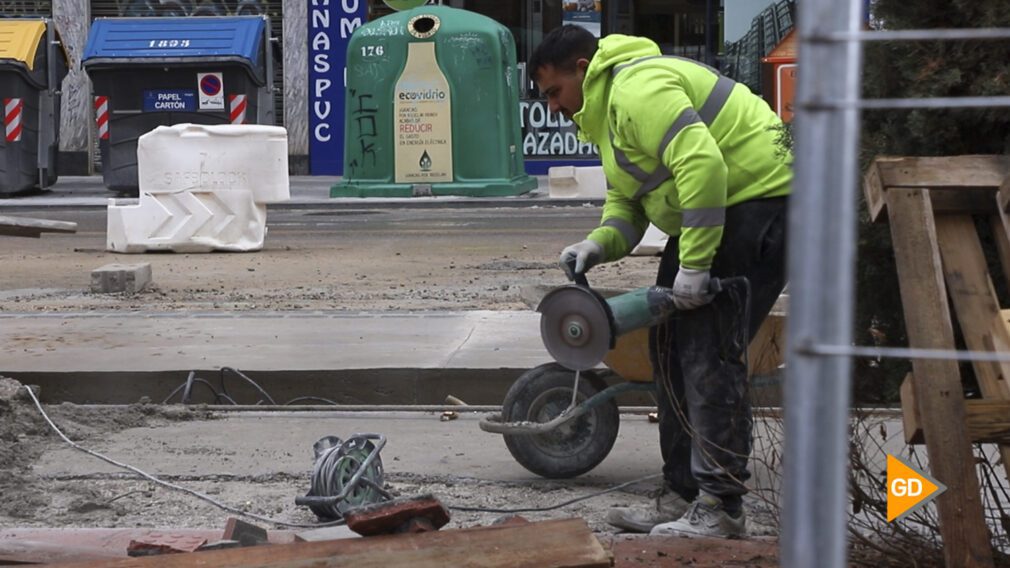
<point x="149" y="72"/>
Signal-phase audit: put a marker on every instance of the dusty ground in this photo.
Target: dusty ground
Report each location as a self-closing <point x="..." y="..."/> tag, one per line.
<point x="114" y="500"/>
<point x="356" y="260"/>
<point x="455" y="259"/>
<point x="100" y="498"/>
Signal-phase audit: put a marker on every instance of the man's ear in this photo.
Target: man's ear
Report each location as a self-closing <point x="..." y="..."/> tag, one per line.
<point x="582" y="64"/>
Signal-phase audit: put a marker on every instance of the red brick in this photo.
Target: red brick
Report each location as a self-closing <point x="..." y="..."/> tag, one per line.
<point x="392" y="516"/>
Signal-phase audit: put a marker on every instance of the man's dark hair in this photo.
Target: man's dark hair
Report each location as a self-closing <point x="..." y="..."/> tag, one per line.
<point x="562" y="48"/>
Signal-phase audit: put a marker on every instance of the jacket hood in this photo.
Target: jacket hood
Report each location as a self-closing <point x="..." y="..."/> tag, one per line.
<point x="612" y="50"/>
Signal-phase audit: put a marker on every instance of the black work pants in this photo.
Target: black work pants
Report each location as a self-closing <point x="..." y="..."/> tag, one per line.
<point x="705" y="417"/>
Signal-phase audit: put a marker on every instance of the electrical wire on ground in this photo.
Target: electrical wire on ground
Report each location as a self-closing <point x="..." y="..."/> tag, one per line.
<point x="271" y="520"/>
<point x="221" y="392"/>
<point x="559" y="505"/>
<point x="169" y="485"/>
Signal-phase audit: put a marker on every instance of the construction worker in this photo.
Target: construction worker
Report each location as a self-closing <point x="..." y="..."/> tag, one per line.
<point x="694" y="153"/>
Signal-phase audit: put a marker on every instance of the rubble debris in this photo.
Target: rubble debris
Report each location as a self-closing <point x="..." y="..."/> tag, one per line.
<point x="164" y="543"/>
<point x="247" y="534"/>
<point x="411" y="515"/>
<point x="220" y="545"/>
<point x="509" y="521"/>
<point x="325" y="533"/>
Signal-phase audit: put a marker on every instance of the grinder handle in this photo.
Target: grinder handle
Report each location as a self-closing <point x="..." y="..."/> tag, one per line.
<point x="580" y="278"/>
<point x="717" y="285"/>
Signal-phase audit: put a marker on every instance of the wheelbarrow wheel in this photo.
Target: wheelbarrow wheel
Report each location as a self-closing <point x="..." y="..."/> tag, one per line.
<point x="575" y="447"/>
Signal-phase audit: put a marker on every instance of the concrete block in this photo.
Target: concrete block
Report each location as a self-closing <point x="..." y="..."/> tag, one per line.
<point x="572" y="182"/>
<point x="129" y="278"/>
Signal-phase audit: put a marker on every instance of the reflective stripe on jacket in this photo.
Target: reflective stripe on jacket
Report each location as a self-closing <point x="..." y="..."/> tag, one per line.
<point x="679" y="143"/>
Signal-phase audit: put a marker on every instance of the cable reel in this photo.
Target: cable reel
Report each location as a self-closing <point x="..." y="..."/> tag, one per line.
<point x="346" y="474"/>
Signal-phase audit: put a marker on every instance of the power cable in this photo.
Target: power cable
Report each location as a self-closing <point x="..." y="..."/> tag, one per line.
<point x="271" y="520"/>
<point x="559" y="505"/>
<point x="169" y="485"/>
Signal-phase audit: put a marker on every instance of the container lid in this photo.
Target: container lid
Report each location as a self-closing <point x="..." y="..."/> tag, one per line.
<point x="19" y="40"/>
<point x="181" y="40"/>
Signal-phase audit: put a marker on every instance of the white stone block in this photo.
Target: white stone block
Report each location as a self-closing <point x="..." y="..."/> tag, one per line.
<point x="200" y="157"/>
<point x="187" y="221"/>
<point x="129" y="278"/>
<point x="577" y="182"/>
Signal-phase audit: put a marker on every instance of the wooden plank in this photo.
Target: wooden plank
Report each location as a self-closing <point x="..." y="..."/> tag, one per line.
<point x="767" y="348"/>
<point x="976" y="305"/>
<point x="988" y="420"/>
<point x="944" y="171"/>
<point x="1003" y="194"/>
<point x="873" y="190"/>
<point x="961" y="183"/>
<point x="937" y="382"/>
<point x="910" y="424"/>
<point x="970" y="288"/>
<point x="1000" y="236"/>
<point x="560" y="543"/>
<point x="26" y="227"/>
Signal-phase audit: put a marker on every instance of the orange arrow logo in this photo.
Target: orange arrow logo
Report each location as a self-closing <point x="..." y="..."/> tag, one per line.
<point x="908" y="489"/>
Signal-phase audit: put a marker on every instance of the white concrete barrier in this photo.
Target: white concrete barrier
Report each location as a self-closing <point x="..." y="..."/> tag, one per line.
<point x="209" y="158"/>
<point x="202" y="188"/>
<point x="572" y="182"/>
<point x="187" y="221"/>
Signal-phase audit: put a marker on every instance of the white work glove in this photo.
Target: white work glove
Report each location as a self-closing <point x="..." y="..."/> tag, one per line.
<point x="690" y="289"/>
<point x="585" y="255"/>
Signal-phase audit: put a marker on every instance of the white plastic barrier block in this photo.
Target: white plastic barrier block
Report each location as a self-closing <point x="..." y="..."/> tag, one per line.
<point x="652" y="243"/>
<point x="572" y="182"/>
<point x="252" y="157"/>
<point x="187" y="221"/>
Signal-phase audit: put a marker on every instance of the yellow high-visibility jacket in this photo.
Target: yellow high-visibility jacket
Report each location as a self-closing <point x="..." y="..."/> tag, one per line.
<point x="679" y="143"/>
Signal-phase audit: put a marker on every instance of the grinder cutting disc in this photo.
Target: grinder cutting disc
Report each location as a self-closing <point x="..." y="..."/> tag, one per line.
<point x="575" y="325"/>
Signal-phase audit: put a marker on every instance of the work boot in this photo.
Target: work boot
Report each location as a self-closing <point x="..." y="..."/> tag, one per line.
<point x="668" y="506"/>
<point x="705" y="517"/>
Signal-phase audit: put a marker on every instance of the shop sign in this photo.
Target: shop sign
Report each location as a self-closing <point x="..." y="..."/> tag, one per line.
<point x="549" y="135"/>
<point x="331" y="24"/>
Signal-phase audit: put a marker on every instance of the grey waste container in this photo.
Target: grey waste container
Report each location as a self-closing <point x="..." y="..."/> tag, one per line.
<point x="32" y="67"/>
<point x="149" y="72"/>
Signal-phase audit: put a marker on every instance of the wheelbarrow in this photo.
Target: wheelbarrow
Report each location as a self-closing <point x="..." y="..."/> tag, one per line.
<point x="560" y="419"/>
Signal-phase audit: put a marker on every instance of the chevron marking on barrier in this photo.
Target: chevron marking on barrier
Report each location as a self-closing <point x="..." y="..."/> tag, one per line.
<point x="219" y="210"/>
<point x="176" y="215"/>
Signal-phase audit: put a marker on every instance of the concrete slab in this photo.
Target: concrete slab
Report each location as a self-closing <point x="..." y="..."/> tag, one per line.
<point x="271" y="341"/>
<point x="255" y="445"/>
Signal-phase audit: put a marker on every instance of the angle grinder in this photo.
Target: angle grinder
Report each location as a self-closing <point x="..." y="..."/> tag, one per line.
<point x="579" y="326"/>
